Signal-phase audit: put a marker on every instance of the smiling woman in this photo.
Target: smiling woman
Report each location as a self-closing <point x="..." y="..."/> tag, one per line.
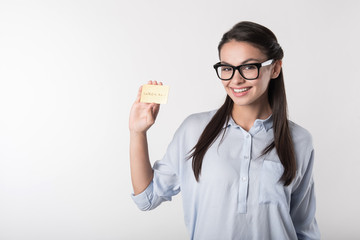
<point x="240" y="89"/>
<point x="244" y="170"/>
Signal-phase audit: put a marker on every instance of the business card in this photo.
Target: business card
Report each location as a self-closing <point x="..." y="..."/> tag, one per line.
<point x="154" y="94"/>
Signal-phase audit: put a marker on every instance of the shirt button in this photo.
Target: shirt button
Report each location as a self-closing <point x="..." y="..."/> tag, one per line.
<point x="243" y="179"/>
<point x="246" y="157"/>
<point x="247" y="136"/>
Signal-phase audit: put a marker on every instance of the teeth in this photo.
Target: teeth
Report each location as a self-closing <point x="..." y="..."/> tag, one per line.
<point x="241" y="90"/>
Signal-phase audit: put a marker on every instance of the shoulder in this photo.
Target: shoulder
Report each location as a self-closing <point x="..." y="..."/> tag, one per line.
<point x="303" y="146"/>
<point x="195" y="124"/>
<point x="191" y="129"/>
<point x="300" y="135"/>
<point x="199" y="119"/>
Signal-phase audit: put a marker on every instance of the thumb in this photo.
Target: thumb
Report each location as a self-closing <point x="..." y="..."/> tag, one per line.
<point x="151" y="113"/>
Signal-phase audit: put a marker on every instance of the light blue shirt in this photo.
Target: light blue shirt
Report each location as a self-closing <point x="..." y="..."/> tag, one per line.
<point x="239" y="195"/>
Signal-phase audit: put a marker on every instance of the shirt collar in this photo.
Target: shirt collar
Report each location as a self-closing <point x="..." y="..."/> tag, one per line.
<point x="265" y="123"/>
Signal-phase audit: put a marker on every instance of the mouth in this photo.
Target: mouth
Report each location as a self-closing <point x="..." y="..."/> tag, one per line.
<point x="241" y="90"/>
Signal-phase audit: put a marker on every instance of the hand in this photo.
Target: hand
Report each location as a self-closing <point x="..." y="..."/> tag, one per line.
<point x="143" y="115"/>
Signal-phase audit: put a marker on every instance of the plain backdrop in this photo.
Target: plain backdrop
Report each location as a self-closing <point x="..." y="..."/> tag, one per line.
<point x="70" y="71"/>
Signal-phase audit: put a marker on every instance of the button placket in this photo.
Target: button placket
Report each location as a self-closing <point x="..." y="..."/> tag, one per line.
<point x="244" y="173"/>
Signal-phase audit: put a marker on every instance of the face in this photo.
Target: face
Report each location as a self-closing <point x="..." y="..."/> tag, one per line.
<point x="247" y="92"/>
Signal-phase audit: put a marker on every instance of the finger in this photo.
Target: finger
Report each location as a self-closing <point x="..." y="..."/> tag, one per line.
<point x="155" y="110"/>
<point x="151" y="115"/>
<point x="154" y="82"/>
<point x="138" y="97"/>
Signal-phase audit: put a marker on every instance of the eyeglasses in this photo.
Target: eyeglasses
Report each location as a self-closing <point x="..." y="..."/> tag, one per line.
<point x="248" y="71"/>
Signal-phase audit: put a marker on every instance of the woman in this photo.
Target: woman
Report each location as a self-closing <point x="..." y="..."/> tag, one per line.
<point x="244" y="170"/>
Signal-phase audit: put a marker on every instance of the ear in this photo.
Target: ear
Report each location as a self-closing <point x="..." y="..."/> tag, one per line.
<point x="276" y="69"/>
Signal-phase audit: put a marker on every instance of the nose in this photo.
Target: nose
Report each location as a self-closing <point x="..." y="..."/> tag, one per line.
<point x="237" y="78"/>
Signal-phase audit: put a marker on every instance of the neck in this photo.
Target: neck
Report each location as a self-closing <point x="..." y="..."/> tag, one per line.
<point x="245" y="116"/>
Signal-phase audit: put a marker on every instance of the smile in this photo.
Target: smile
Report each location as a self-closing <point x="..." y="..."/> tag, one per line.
<point x="237" y="90"/>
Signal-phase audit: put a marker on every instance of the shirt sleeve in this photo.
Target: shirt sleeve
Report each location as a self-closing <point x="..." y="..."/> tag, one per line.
<point x="165" y="182"/>
<point x="303" y="205"/>
<point x="164" y="185"/>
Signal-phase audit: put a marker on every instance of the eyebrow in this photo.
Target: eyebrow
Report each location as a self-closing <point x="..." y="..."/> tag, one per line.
<point x="244" y="62"/>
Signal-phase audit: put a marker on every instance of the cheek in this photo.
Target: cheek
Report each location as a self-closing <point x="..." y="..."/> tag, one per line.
<point x="265" y="86"/>
<point x="224" y="83"/>
<point x="264" y="81"/>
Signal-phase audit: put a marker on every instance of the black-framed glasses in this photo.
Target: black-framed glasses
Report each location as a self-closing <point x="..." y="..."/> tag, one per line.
<point x="249" y="71"/>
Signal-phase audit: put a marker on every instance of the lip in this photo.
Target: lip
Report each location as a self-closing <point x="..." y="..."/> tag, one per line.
<point x="240" y="94"/>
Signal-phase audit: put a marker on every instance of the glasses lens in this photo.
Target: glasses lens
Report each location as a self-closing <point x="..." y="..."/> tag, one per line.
<point x="249" y="71"/>
<point x="224" y="72"/>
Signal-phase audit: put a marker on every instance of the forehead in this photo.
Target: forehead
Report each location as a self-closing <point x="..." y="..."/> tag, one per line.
<point x="235" y="52"/>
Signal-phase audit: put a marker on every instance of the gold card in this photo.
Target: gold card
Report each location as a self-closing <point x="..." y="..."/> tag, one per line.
<point x="154" y="94"/>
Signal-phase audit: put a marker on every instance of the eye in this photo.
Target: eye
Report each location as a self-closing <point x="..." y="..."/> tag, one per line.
<point x="226" y="69"/>
<point x="249" y="67"/>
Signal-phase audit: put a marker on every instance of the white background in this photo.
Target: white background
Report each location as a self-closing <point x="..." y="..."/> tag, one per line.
<point x="70" y="70"/>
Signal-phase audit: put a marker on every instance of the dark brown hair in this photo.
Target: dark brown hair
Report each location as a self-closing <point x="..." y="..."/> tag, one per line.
<point x="266" y="41"/>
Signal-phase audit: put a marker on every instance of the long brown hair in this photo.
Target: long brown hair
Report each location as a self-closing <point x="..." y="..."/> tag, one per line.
<point x="266" y="41"/>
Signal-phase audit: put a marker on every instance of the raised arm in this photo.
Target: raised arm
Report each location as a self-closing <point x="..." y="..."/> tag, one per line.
<point x="142" y="117"/>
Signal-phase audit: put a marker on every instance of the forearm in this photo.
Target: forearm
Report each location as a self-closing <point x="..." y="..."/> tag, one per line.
<point x="141" y="170"/>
